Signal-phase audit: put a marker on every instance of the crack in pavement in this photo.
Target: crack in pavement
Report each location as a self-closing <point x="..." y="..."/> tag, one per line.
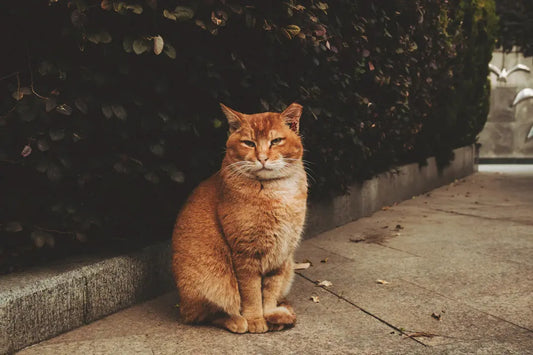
<point x="527" y="223"/>
<point x="331" y="252"/>
<point x="401" y="331"/>
<point x="400" y="250"/>
<point x="465" y="304"/>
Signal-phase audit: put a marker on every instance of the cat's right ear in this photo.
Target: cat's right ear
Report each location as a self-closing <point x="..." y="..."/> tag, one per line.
<point x="235" y="118"/>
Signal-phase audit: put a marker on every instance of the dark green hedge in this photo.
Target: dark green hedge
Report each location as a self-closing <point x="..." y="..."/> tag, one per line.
<point x="515" y="25"/>
<point x="109" y="110"/>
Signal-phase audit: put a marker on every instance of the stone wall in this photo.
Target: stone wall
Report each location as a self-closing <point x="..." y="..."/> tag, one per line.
<point x="507" y="127"/>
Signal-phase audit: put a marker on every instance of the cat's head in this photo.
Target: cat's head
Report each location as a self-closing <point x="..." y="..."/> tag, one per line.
<point x="264" y="146"/>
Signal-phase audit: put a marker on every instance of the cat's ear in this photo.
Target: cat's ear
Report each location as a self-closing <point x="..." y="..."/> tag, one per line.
<point x="235" y="118"/>
<point x="291" y="116"/>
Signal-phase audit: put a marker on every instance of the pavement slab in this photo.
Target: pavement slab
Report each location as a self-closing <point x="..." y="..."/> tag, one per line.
<point x="448" y="272"/>
<point x="330" y="326"/>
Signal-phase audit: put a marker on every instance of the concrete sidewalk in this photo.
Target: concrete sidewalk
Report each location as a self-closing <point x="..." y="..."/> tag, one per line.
<point x="457" y="277"/>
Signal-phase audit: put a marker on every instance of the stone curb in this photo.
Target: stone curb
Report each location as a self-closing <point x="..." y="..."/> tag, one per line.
<point x="38" y="304"/>
<point x="385" y="189"/>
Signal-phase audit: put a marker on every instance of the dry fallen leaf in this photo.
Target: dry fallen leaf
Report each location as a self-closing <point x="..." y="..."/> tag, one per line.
<point x="315" y="299"/>
<point x="382" y="282"/>
<point x="302" y="266"/>
<point x="324" y="283"/>
<point x="325" y="260"/>
<point x="420" y="334"/>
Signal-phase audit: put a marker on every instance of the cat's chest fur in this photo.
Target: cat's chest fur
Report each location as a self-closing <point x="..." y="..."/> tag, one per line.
<point x="265" y="220"/>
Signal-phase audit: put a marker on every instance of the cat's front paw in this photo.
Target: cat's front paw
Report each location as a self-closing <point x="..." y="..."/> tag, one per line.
<point x="257" y="325"/>
<point x="236" y="324"/>
<point x="280" y="316"/>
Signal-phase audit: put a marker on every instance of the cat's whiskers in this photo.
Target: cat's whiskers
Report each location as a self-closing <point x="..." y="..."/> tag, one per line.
<point x="306" y="165"/>
<point x="238" y="169"/>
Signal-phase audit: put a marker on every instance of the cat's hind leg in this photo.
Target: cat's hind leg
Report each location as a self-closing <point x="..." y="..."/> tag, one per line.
<point x="202" y="311"/>
<point x="233" y="323"/>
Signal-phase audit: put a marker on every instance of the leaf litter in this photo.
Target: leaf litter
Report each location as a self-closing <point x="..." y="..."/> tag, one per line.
<point x="324" y="283"/>
<point x="302" y="266"/>
<point x="315" y="299"/>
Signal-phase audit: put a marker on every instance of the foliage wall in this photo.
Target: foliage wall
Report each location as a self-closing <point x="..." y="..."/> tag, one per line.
<point x="109" y="109"/>
<point x="515" y="25"/>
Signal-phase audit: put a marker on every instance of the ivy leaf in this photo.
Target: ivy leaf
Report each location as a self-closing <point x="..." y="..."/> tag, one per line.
<point x="50" y="104"/>
<point x="56" y="134"/>
<point x="322" y="6"/>
<point x="177" y="176"/>
<point x="219" y="17"/>
<point x="236" y="8"/>
<point x="127" y="44"/>
<point x="183" y="13"/>
<point x="17" y="95"/>
<point x="42" y="166"/>
<point x="107" y="111"/>
<point x="320" y="31"/>
<point x="81" y="105"/>
<point x="170" y="51"/>
<point x="169" y="15"/>
<point x="13" y="227"/>
<point x="26" y="112"/>
<point x="93" y="37"/>
<point x="43" y="145"/>
<point x="105" y="37"/>
<point x="81" y="237"/>
<point x="64" y="109"/>
<point x="78" y="18"/>
<point x="291" y="31"/>
<point x="120" y="112"/>
<point x="152" y="4"/>
<point x="158" y="150"/>
<point x="152" y="177"/>
<point x="158" y="45"/>
<point x="54" y="173"/>
<point x="140" y="46"/>
<point x="39" y="238"/>
<point x="119" y="167"/>
<point x="106" y="5"/>
<point x="25" y="151"/>
<point x="136" y="8"/>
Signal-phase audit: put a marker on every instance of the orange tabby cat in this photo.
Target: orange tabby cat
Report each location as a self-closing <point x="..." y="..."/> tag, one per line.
<point x="234" y="240"/>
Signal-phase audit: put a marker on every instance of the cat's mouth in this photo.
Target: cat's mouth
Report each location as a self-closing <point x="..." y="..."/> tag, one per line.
<point x="265" y="173"/>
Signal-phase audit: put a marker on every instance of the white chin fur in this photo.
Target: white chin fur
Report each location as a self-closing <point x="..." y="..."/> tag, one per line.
<point x="270" y="174"/>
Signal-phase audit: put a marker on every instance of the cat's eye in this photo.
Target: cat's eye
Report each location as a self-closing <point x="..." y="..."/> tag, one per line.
<point x="249" y="143"/>
<point x="276" y="141"/>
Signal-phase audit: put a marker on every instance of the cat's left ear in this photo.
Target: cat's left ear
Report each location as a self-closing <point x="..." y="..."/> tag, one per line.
<point x="235" y="118"/>
<point x="291" y="116"/>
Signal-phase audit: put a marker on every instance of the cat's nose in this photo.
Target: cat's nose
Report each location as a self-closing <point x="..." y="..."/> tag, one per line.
<point x="262" y="159"/>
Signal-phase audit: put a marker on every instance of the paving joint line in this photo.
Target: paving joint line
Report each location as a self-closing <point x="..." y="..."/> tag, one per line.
<point x="365" y="311"/>
<point x="400" y="250"/>
<point x="330" y="252"/>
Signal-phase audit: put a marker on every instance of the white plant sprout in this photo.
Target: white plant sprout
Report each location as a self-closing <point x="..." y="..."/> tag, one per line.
<point x="523" y="94"/>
